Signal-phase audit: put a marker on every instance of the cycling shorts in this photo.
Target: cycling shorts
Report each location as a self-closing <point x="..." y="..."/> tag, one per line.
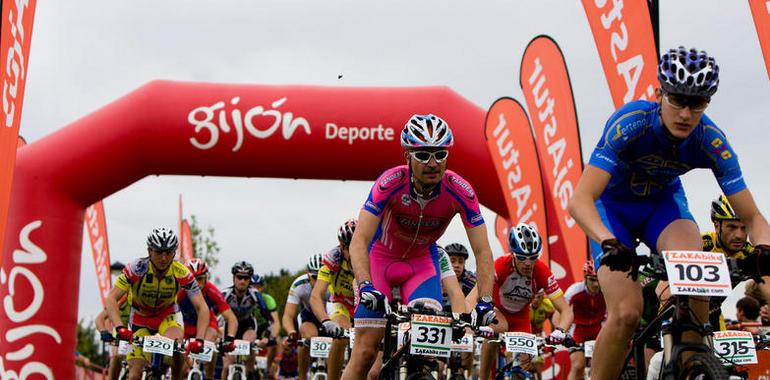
<point x="168" y="321"/>
<point x="191" y="328"/>
<point x="584" y="333"/>
<point x="245" y="325"/>
<point x="518" y="321"/>
<point x="307" y="316"/>
<point x="342" y="310"/>
<point x="418" y="275"/>
<point x="645" y="218"/>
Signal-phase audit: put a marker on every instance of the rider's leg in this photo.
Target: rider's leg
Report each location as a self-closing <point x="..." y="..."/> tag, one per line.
<point x="624" y="309"/>
<point x="577" y="367"/>
<point x="374" y="373"/>
<point x="307" y="330"/>
<point x="489" y="350"/>
<point x="135" y="368"/>
<point x="115" y="362"/>
<point x="337" y="351"/>
<point x="176" y="334"/>
<point x="251" y="336"/>
<point x="364" y="352"/>
<point x="211" y="336"/>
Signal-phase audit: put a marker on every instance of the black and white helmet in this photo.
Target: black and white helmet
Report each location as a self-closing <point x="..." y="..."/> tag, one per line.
<point x="524" y="240"/>
<point x="346" y="230"/>
<point x="243" y="267"/>
<point x="162" y="239"/>
<point x="314" y="263"/>
<point x="457" y="249"/>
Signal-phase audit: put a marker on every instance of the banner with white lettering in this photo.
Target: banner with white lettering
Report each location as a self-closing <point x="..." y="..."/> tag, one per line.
<point x="623" y="34"/>
<point x="96" y="225"/>
<point x="546" y="86"/>
<point x="15" y="37"/>
<point x="760" y="11"/>
<point x="512" y="147"/>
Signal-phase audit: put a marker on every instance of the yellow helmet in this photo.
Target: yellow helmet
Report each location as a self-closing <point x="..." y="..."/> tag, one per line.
<point x="721" y="209"/>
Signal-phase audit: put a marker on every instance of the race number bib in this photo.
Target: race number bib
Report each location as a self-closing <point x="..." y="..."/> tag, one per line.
<point x="521" y="342"/>
<point x="735" y="346"/>
<point x="465" y="344"/>
<point x="157" y="344"/>
<point x="697" y="273"/>
<point x="261" y="362"/>
<point x="320" y="346"/>
<point x="242" y="347"/>
<point x="588" y="347"/>
<point x="123" y="347"/>
<point x="208" y="352"/>
<point x="431" y="335"/>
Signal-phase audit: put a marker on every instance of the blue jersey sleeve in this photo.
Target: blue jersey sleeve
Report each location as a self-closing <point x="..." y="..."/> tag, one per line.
<point x="623" y="127"/>
<point x="725" y="166"/>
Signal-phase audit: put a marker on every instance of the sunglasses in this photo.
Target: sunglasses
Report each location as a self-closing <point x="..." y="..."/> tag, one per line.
<point x="678" y="102"/>
<point x="527" y="258"/>
<point x="423" y="156"/>
<point x="243" y="277"/>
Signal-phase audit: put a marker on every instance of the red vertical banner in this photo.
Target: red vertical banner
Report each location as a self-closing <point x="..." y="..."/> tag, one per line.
<point x="511" y="145"/>
<point x="21" y="143"/>
<point x="185" y="241"/>
<point x="760" y="11"/>
<point x="501" y="231"/>
<point x="96" y="225"/>
<point x="623" y="34"/>
<point x="546" y="86"/>
<point x="15" y="38"/>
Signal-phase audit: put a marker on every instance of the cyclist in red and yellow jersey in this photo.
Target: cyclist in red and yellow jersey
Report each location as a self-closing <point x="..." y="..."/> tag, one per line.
<point x="153" y="283"/>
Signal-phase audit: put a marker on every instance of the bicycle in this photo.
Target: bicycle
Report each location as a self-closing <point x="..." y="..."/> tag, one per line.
<point x="159" y="347"/>
<point x="237" y="370"/>
<point x="197" y="370"/>
<point x="673" y="320"/>
<point x="398" y="360"/>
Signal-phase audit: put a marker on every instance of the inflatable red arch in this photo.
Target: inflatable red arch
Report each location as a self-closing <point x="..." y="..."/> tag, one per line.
<point x="192" y="129"/>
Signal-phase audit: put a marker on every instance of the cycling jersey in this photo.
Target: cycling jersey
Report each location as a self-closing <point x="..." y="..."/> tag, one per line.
<point x="264" y="318"/>
<point x="404" y="250"/>
<point x="589" y="311"/>
<point x="467" y="281"/>
<point x="538" y="315"/>
<point x="513" y="292"/>
<point x="299" y="292"/>
<point x="215" y="301"/>
<point x="154" y="297"/>
<point x="338" y="273"/>
<point x="711" y="244"/>
<point x="644" y="194"/>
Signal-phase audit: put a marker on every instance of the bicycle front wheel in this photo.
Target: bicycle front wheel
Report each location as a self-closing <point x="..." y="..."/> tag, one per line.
<point x="704" y="366"/>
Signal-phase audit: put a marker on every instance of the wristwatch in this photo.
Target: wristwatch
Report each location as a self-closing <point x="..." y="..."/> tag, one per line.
<point x="486" y="299"/>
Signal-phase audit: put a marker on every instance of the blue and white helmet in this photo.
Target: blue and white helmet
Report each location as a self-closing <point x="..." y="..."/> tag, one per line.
<point x="688" y="72"/>
<point x="426" y="131"/>
<point x="524" y="240"/>
<point x="162" y="239"/>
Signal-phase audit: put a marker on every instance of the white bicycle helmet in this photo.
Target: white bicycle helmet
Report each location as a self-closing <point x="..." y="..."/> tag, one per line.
<point x="426" y="131"/>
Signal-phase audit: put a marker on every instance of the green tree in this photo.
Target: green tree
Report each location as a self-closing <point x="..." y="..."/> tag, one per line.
<point x="89" y="341"/>
<point x="205" y="246"/>
<point x="277" y="285"/>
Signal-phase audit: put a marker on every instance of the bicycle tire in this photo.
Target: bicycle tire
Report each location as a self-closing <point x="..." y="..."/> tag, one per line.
<point x="704" y="366"/>
<point x="195" y="375"/>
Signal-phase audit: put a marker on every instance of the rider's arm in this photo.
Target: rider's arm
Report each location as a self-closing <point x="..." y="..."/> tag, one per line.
<point x="275" y="328"/>
<point x="756" y="224"/>
<point x="565" y="312"/>
<point x="232" y="322"/>
<point x="582" y="206"/>
<point x="203" y="313"/>
<point x="317" y="304"/>
<point x="483" y="252"/>
<point x="111" y="305"/>
<point x="289" y="315"/>
<point x="101" y="320"/>
<point x="455" y="293"/>
<point x="359" y="256"/>
<point x="472" y="297"/>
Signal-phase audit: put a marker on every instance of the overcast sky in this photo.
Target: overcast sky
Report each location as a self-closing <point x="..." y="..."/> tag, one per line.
<point x="87" y="53"/>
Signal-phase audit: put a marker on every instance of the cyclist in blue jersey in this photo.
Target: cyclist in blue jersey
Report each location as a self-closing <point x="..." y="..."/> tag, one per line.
<point x="631" y="190"/>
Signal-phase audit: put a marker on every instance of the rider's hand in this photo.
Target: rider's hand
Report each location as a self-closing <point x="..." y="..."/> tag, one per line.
<point x="557" y="336"/>
<point x="764" y="315"/>
<point x="762" y="253"/>
<point x="332" y="328"/>
<point x="195" y="345"/>
<point x="123" y="333"/>
<point x="292" y="338"/>
<point x="271" y="341"/>
<point x="229" y="344"/>
<point x="106" y="336"/>
<point x="372" y="298"/>
<point x="483" y="314"/>
<point x="618" y="257"/>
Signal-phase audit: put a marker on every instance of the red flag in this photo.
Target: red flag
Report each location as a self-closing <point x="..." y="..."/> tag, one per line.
<point x="760" y="11"/>
<point x="96" y="225"/>
<point x="15" y="38"/>
<point x="511" y="145"/>
<point x="545" y="83"/>
<point x="185" y="241"/>
<point x="623" y="34"/>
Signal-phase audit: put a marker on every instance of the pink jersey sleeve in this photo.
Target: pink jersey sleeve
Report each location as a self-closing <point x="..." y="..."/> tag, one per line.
<point x="465" y="199"/>
<point x="545" y="280"/>
<point x="389" y="183"/>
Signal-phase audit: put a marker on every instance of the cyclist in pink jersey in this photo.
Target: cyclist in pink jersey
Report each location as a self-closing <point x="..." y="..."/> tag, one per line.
<point x="407" y="210"/>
